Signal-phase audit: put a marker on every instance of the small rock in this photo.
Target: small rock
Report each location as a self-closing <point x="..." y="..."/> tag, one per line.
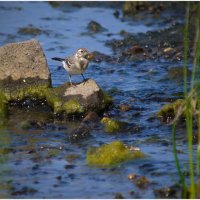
<point x="30" y="30"/>
<point x="167" y="192"/>
<point x="95" y="27"/>
<point x="91" y="117"/>
<point x="132" y="176"/>
<point x="136" y="49"/>
<point x="113" y="125"/>
<point x="24" y="191"/>
<point x="69" y="166"/>
<point x="119" y="196"/>
<point x="167" y="50"/>
<point x="142" y="182"/>
<point x="82" y="132"/>
<point x="125" y="107"/>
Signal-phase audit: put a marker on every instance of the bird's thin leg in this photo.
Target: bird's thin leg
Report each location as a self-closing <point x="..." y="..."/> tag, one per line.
<point x="70" y="79"/>
<point x="83" y="77"/>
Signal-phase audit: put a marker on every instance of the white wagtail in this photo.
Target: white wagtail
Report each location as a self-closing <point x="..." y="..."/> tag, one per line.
<point x="76" y="63"/>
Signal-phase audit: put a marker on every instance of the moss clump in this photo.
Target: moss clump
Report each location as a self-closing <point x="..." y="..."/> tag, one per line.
<point x="25" y="125"/>
<point x="54" y="100"/>
<point x="3" y="107"/>
<point x="112" y="125"/>
<point x="107" y="100"/>
<point x="170" y="110"/>
<point x="72" y="106"/>
<point x="30" y="30"/>
<point x="111" y="154"/>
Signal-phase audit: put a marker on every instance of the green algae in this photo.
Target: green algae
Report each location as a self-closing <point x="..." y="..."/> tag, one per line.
<point x="170" y="110"/>
<point x="3" y="107"/>
<point x="107" y="100"/>
<point x="112" y="125"/>
<point x="41" y="89"/>
<point x="111" y="154"/>
<point x="72" y="106"/>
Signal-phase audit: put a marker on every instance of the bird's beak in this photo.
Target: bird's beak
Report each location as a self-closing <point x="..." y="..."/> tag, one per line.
<point x="89" y="56"/>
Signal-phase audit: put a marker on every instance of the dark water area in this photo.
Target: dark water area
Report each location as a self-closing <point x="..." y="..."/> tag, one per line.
<point x="41" y="162"/>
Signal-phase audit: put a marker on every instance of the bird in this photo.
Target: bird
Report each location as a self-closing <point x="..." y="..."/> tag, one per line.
<point x="76" y="63"/>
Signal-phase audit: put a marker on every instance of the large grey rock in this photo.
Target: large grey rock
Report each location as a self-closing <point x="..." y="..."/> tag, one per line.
<point x="23" y="60"/>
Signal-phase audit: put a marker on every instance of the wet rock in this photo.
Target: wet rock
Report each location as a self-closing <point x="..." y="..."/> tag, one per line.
<point x="30" y="30"/>
<point x="111" y="154"/>
<point x="135" y="7"/>
<point x="132" y="176"/>
<point x="99" y="57"/>
<point x="82" y="132"/>
<point x="142" y="182"/>
<point x="95" y="27"/>
<point x="136" y="49"/>
<point x="116" y="13"/>
<point x="70" y="166"/>
<point x="26" y="71"/>
<point x="79" y="98"/>
<point x="91" y="117"/>
<point x="168" y="111"/>
<point x="168" y="192"/>
<point x="32" y="124"/>
<point x="24" y="191"/>
<point x="152" y="45"/>
<point x="125" y="107"/>
<point x="119" y="196"/>
<point x="113" y="125"/>
<point x="72" y="157"/>
<point x="168" y="50"/>
<point x="177" y="73"/>
<point x="53" y="152"/>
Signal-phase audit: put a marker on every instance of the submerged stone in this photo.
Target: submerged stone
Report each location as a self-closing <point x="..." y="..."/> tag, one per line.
<point x="111" y="154"/>
<point x="95" y="27"/>
<point x="30" y="30"/>
<point x="112" y="125"/>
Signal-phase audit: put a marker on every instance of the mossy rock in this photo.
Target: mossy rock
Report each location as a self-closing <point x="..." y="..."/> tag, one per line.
<point x="95" y="27"/>
<point x="112" y="125"/>
<point x="72" y="107"/>
<point x="170" y="110"/>
<point x="109" y="155"/>
<point x="3" y="107"/>
<point x="30" y="30"/>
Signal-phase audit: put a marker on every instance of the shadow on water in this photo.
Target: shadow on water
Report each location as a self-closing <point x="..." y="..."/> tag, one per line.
<point x="37" y="159"/>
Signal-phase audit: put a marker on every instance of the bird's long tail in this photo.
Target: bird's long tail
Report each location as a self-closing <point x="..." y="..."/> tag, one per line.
<point x="58" y="59"/>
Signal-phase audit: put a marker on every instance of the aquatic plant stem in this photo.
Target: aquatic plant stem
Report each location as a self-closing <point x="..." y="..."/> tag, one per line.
<point x="188" y="111"/>
<point x="181" y="176"/>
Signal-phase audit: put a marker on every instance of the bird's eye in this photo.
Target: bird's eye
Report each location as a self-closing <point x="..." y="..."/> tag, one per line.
<point x="81" y="51"/>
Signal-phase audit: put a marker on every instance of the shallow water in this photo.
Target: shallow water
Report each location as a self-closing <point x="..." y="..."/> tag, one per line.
<point x="35" y="163"/>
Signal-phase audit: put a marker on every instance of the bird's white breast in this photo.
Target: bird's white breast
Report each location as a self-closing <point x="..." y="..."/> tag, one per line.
<point x="73" y="69"/>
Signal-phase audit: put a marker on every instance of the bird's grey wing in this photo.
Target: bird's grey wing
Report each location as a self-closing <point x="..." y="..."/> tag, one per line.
<point x="69" y="61"/>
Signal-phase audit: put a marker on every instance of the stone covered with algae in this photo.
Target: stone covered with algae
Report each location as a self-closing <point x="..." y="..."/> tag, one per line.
<point x="111" y="154"/>
<point x="169" y="110"/>
<point x="24" y="73"/>
<point x="112" y="125"/>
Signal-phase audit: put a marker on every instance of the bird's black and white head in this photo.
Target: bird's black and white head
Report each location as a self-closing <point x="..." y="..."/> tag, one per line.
<point x="82" y="53"/>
